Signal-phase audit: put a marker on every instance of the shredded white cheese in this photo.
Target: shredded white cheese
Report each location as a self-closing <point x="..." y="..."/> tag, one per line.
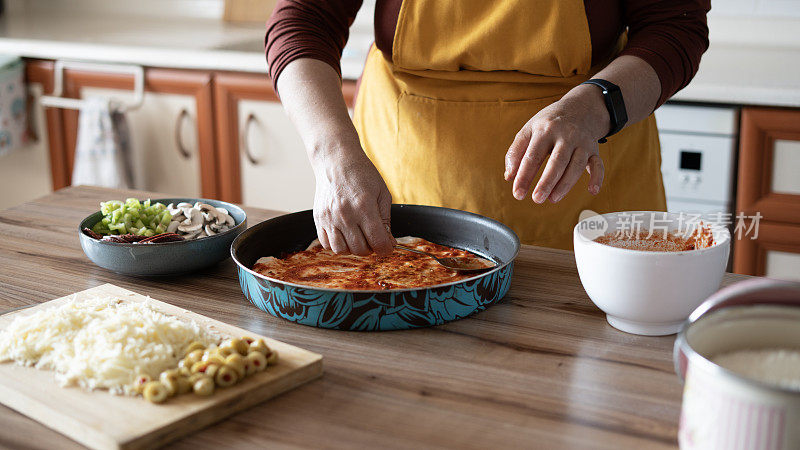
<point x="777" y="366"/>
<point x="100" y="343"/>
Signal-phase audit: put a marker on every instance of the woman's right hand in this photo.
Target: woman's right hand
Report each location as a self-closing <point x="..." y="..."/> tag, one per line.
<point x="352" y="205"/>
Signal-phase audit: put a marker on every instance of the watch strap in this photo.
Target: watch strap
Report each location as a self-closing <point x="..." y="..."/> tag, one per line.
<point x="612" y="95"/>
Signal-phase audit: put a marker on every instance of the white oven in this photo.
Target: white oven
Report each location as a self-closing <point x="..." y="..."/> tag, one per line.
<point x="698" y="157"/>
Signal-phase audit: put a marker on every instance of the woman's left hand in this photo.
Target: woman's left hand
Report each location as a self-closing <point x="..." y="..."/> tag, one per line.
<point x="568" y="131"/>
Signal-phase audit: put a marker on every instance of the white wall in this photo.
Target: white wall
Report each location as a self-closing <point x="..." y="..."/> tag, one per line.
<point x="772" y="23"/>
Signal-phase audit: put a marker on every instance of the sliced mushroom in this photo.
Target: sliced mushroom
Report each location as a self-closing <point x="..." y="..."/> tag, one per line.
<point x="191" y="236"/>
<point x="208" y="230"/>
<point x="229" y="221"/>
<point x="193" y="223"/>
<point x="173" y="226"/>
<point x="184" y="205"/>
<point x="211" y="216"/>
<point x="223" y="211"/>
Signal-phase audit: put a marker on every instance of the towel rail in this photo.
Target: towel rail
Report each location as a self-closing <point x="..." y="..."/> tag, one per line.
<point x="58" y="101"/>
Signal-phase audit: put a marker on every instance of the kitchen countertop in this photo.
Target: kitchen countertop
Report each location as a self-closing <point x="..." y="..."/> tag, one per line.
<point x="541" y="367"/>
<point x="729" y="73"/>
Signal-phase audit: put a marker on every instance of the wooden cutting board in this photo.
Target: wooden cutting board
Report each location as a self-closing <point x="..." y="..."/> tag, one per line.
<point x="104" y="421"/>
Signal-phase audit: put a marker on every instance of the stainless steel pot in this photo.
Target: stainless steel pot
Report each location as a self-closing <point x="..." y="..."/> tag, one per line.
<point x="722" y="409"/>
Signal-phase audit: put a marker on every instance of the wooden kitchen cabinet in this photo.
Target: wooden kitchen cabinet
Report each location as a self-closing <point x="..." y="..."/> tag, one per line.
<point x="52" y="130"/>
<point x="198" y="133"/>
<point x="172" y="133"/>
<point x="769" y="184"/>
<point x="262" y="160"/>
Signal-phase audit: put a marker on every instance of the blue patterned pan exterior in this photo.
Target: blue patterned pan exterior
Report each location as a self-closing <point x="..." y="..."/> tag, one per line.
<point x="379" y="310"/>
<point x="373" y="311"/>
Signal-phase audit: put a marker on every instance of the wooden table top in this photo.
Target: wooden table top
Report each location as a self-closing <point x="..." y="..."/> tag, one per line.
<point x="541" y="368"/>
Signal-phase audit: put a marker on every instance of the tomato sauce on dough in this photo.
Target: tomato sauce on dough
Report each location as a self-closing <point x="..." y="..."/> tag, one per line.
<point x="401" y="269"/>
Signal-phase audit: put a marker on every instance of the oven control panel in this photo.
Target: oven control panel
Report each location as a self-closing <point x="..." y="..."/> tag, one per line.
<point x="697" y="167"/>
<point x="698" y="157"/>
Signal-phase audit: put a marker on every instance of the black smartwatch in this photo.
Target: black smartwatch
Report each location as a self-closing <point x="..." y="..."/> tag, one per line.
<point x="614" y="103"/>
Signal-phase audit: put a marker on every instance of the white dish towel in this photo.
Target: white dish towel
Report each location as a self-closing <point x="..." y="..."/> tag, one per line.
<point x="102" y="154"/>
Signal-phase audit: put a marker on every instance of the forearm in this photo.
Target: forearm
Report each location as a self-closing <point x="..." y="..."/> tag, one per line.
<point x="311" y="94"/>
<point x="352" y="205"/>
<point x="640" y="87"/>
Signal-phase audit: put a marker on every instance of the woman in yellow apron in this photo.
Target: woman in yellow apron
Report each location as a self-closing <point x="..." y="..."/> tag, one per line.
<point x="480" y="106"/>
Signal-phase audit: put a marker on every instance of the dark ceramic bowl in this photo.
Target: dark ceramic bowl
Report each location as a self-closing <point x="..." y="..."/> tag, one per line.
<point x="386" y="309"/>
<point x="169" y="258"/>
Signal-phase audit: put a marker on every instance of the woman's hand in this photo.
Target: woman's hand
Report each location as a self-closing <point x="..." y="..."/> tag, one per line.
<point x="352" y="205"/>
<point x="568" y="131"/>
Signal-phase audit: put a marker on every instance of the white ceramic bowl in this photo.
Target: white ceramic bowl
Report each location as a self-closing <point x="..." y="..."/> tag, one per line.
<point x="641" y="292"/>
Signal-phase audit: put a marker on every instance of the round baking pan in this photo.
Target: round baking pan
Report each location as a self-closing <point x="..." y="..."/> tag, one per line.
<point x="394" y="309"/>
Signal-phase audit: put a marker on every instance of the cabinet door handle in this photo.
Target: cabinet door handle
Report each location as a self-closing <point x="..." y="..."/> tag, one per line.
<point x="245" y="142"/>
<point x="179" y="133"/>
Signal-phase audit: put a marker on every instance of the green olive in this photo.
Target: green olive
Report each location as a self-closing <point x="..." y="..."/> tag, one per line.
<point x="257" y="361"/>
<point x="240" y="346"/>
<point x="171" y="385"/>
<point x="259" y="346"/>
<point x="211" y="370"/>
<point x="249" y="368"/>
<point x="272" y="358"/>
<point x="226" y="350"/>
<point x="196" y="376"/>
<point x="140" y="381"/>
<point x="155" y="392"/>
<point x="236" y="362"/>
<point x="184" y="386"/>
<point x="193" y="357"/>
<point x="199" y="366"/>
<point x="216" y="358"/>
<point x="172" y="374"/>
<point x="226" y="376"/>
<point x="194" y="346"/>
<point x="203" y="386"/>
<point x="185" y="371"/>
<point x="169" y="378"/>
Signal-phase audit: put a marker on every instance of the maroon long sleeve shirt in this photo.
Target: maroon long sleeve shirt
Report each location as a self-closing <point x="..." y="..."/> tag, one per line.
<point x="670" y="35"/>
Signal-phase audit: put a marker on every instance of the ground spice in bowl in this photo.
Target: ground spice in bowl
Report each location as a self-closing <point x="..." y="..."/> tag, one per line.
<point x="659" y="241"/>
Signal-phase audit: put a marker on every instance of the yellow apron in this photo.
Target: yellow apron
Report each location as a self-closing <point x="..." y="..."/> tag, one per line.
<point x="466" y="75"/>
